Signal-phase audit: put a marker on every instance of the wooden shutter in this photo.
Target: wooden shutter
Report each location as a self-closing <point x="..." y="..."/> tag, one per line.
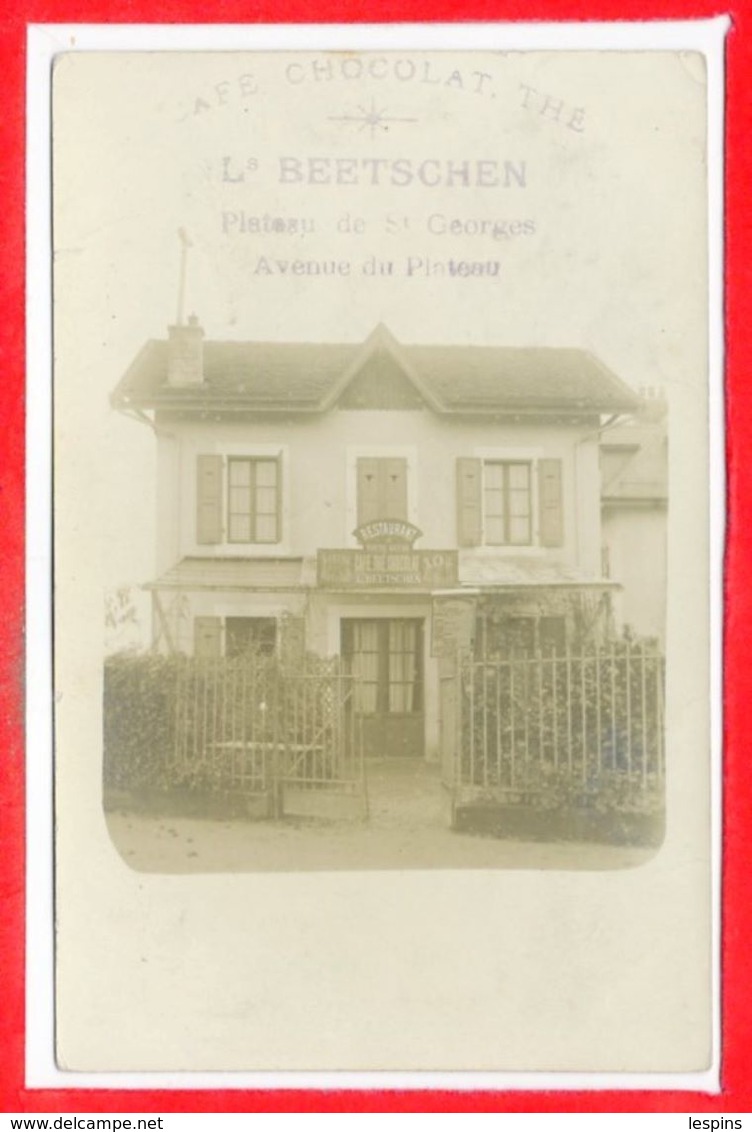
<point x="279" y="499"/>
<point x="550" y="503"/>
<point x="368" y="490"/>
<point x="393" y="488"/>
<point x="382" y="488"/>
<point x="209" y="473"/>
<point x="469" y="496"/>
<point x="207" y="637"/>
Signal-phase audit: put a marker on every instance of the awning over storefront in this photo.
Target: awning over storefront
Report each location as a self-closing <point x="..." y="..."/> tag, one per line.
<point x="475" y="572"/>
<point x="502" y="573"/>
<point x="232" y="574"/>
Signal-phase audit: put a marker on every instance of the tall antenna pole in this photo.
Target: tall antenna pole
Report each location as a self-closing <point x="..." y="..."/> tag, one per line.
<point x="185" y="243"/>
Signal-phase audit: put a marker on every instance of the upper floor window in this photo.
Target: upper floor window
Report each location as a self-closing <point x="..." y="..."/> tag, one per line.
<point x="253" y="500"/>
<point x="251" y="487"/>
<point x="509" y="502"/>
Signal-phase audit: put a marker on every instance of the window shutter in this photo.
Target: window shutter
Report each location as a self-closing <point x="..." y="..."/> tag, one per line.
<point x="279" y="498"/>
<point x="368" y="490"/>
<point x="209" y="472"/>
<point x="394" y="488"/>
<point x="469" y="524"/>
<point x="207" y="637"/>
<point x="550" y="503"/>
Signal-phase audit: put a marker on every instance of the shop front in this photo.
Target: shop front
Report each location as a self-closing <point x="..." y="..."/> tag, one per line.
<point x="375" y="607"/>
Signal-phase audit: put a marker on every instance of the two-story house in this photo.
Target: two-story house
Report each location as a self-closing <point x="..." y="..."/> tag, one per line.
<point x="385" y="502"/>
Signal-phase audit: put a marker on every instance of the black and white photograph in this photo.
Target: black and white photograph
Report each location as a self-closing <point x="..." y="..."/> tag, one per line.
<point x="419" y="586"/>
<point x="381" y="519"/>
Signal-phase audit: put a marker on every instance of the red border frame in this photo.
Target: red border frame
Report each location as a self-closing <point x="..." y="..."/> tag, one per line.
<point x="737" y="920"/>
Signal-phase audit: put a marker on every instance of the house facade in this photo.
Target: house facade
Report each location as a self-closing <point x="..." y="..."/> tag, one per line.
<point x="395" y="505"/>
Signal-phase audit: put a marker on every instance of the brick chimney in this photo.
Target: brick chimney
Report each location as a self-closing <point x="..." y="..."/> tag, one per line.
<point x="185" y="354"/>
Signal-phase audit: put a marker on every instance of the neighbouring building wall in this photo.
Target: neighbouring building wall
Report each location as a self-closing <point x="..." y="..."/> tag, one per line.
<point x="634" y="471"/>
<point x="635" y="542"/>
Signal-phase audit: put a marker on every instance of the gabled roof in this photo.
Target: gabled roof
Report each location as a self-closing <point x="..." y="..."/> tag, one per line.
<point x="381" y="342"/>
<point x="259" y="374"/>
<point x="313" y="377"/>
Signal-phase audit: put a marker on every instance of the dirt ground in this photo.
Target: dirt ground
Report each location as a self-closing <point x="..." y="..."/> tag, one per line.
<point x="406" y="829"/>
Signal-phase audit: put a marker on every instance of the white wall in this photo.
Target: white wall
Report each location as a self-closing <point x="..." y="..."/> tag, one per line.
<point x="636" y="541"/>
<point x="319" y="455"/>
<point x="180" y="609"/>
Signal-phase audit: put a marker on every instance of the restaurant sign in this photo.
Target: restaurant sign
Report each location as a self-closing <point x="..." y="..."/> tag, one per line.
<point x="391" y="531"/>
<point x="388" y="565"/>
<point x="387" y="558"/>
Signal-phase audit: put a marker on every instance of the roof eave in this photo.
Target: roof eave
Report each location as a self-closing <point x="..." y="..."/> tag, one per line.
<point x="211" y="404"/>
<point x="652" y="499"/>
<point x="537" y="408"/>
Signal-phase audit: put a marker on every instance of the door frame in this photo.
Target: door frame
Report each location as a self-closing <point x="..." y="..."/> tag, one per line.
<point x="381" y="727"/>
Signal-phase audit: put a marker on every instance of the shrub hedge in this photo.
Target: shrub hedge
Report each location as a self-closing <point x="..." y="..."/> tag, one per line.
<point x="138" y="709"/>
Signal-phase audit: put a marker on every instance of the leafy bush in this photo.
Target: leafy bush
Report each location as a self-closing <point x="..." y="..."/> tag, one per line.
<point x="138" y="708"/>
<point x="209" y="725"/>
<point x="567" y="729"/>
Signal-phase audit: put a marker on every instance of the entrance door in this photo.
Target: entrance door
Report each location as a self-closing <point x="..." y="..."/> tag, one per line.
<point x="386" y="654"/>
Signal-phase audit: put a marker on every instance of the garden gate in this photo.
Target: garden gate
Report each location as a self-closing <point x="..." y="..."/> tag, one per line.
<point x="286" y="739"/>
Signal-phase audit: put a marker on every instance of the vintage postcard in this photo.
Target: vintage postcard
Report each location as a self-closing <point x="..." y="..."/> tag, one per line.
<point x="381" y="524"/>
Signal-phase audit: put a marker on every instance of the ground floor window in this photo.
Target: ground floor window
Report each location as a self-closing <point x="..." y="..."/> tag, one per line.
<point x="236" y="636"/>
<point x="250" y="635"/>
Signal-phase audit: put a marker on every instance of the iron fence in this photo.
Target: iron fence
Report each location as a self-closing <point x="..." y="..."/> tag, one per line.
<point x="568" y="727"/>
<point x="253" y="726"/>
